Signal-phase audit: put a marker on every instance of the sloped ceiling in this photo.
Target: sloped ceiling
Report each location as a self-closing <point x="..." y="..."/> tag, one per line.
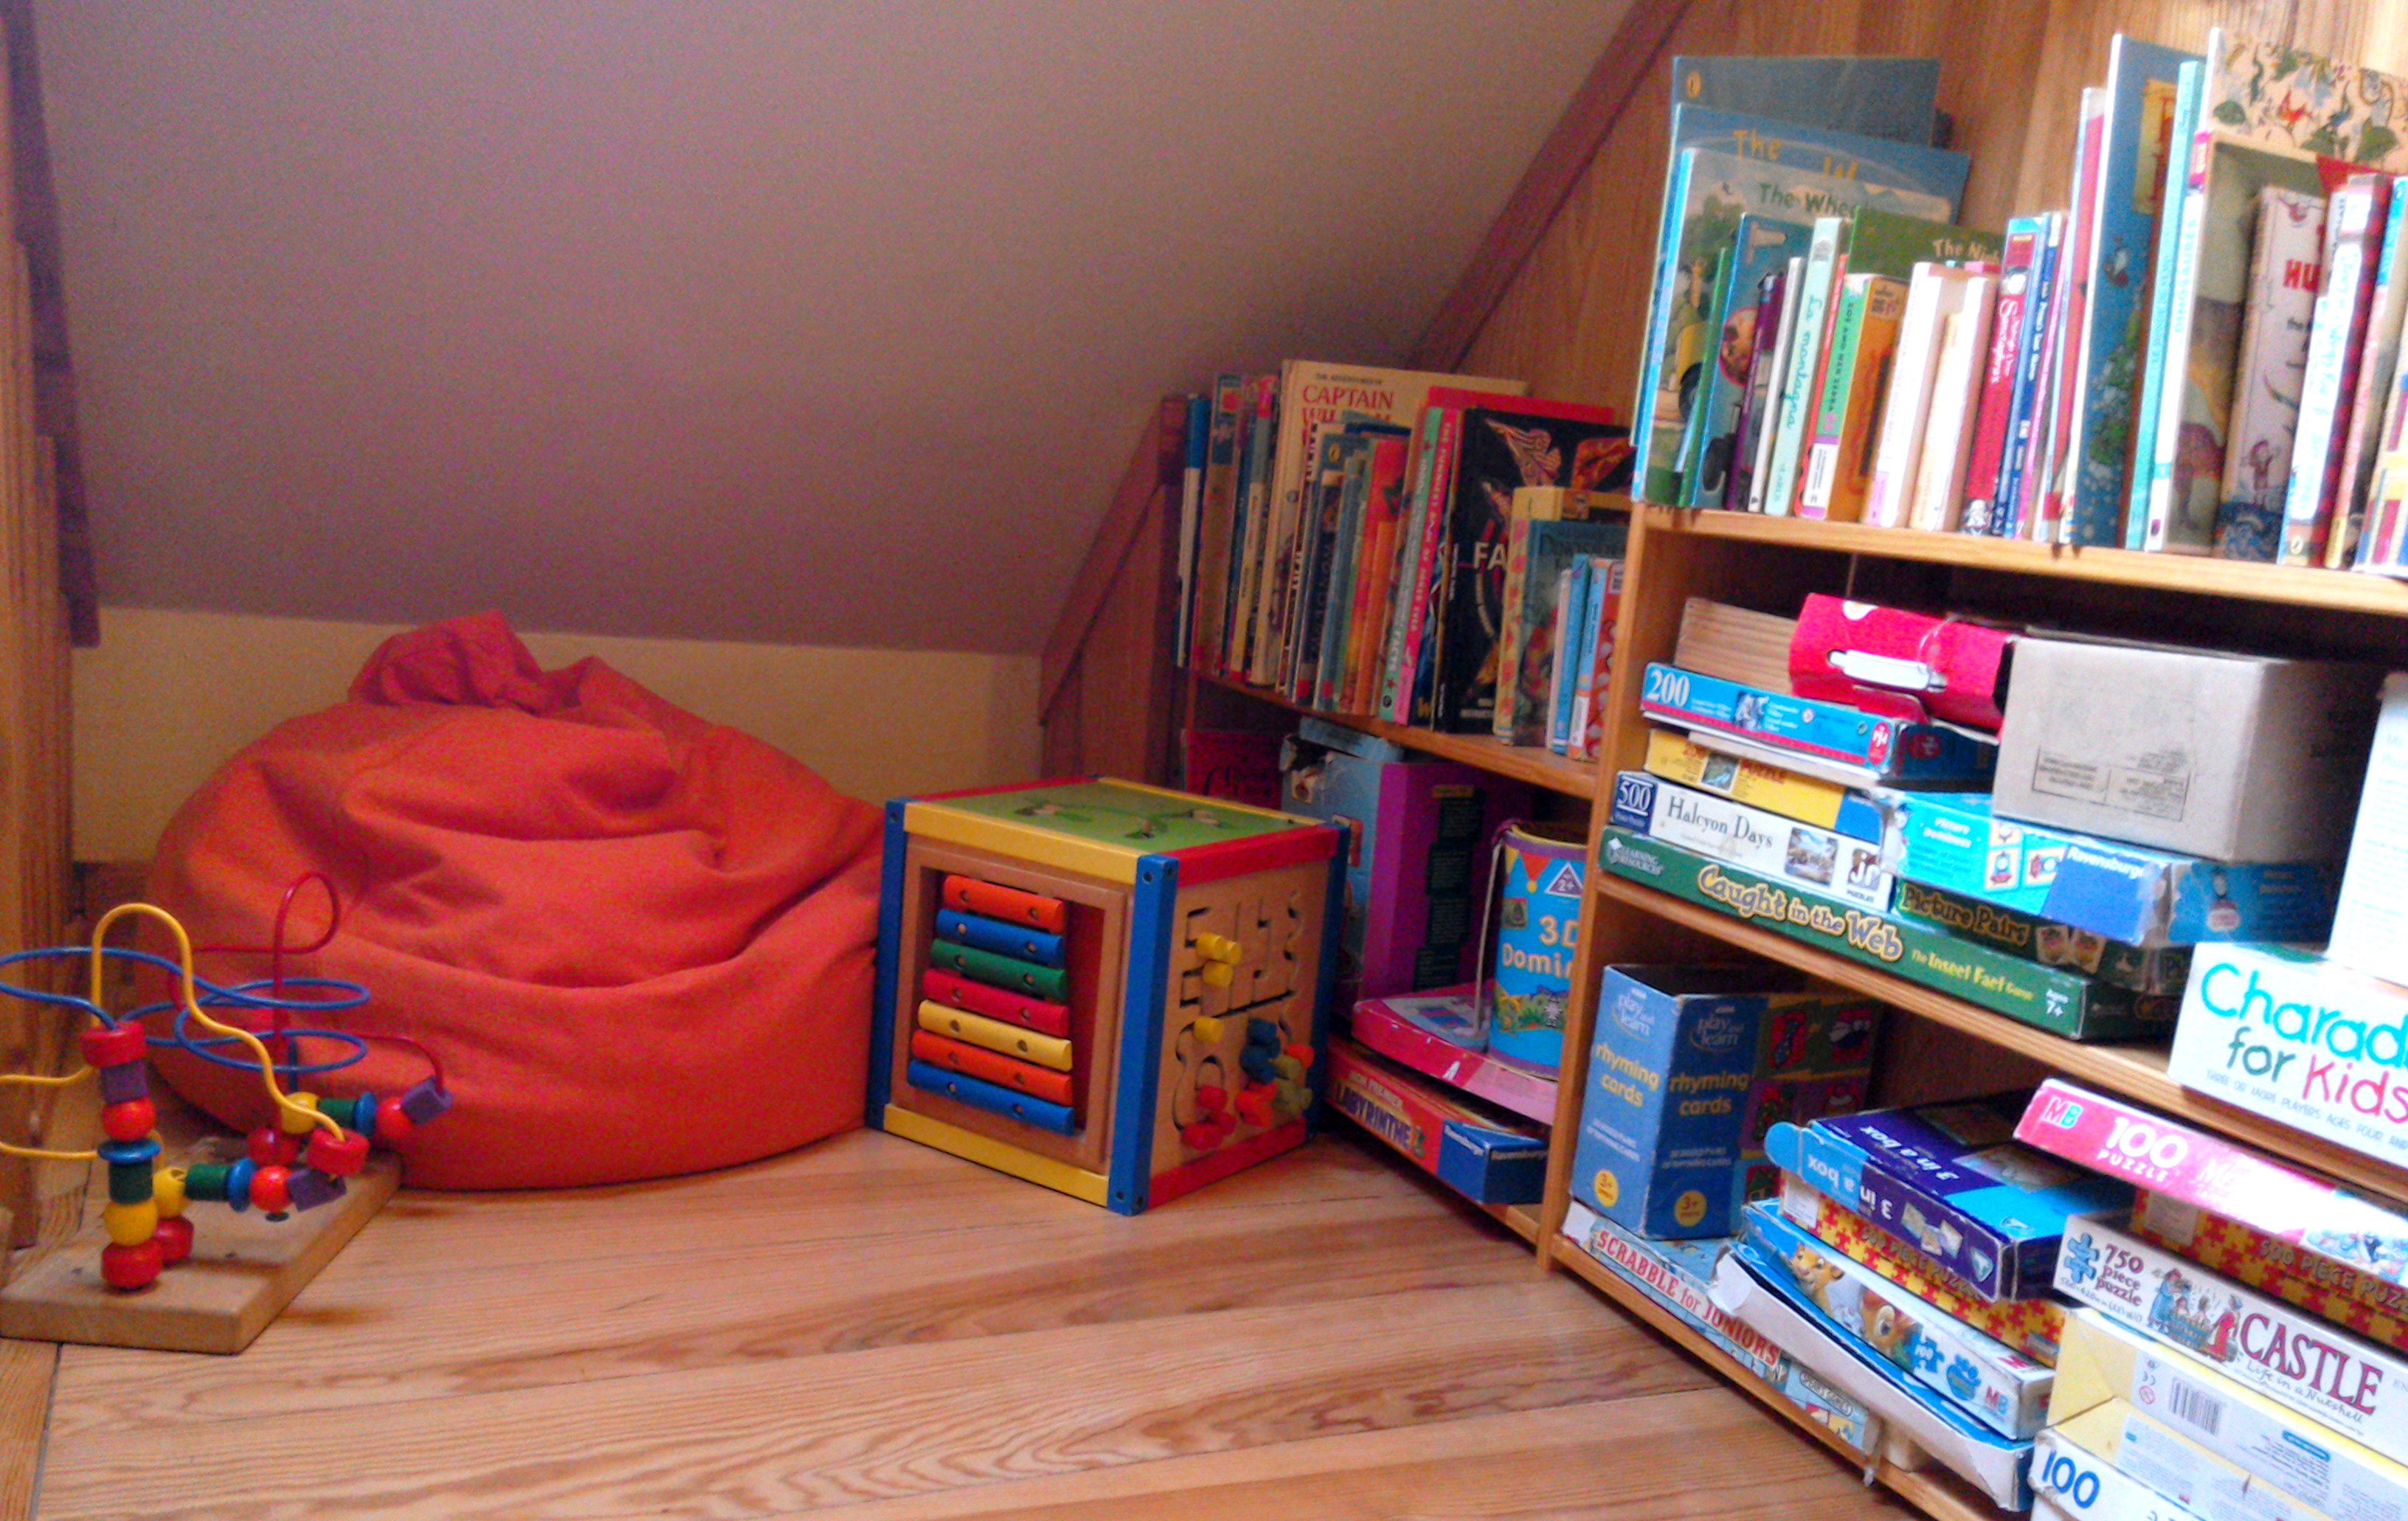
<point x="815" y="322"/>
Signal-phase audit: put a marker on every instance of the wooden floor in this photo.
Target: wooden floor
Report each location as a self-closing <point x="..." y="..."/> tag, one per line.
<point x="874" y="1327"/>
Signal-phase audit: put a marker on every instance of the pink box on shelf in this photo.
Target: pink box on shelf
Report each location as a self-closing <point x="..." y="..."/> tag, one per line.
<point x="1913" y="665"/>
<point x="1388" y="1027"/>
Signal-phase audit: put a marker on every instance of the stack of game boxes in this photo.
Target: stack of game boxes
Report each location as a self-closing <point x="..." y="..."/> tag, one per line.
<point x="2241" y="1348"/>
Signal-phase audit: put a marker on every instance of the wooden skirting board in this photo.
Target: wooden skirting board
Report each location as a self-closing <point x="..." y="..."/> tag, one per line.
<point x="243" y="1271"/>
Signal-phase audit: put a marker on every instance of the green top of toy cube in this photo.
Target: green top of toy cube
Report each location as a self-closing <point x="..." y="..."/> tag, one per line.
<point x="1121" y="815"/>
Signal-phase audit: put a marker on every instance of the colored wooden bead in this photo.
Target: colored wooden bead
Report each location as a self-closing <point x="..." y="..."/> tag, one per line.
<point x="1217" y="974"/>
<point x="129" y="1182"/>
<point x="130" y="1267"/>
<point x="1256" y="1062"/>
<point x="140" y="1153"/>
<point x="1255" y="1105"/>
<point x="1265" y="1033"/>
<point x="424" y="1101"/>
<point x="337" y="1157"/>
<point x="129" y="1121"/>
<point x="1208" y="1029"/>
<point x="130" y="1224"/>
<point x="1290" y="1099"/>
<point x="237" y="1185"/>
<point x="1211" y="1098"/>
<point x="1203" y="1135"/>
<point x="175" y="1239"/>
<point x="114" y="1045"/>
<point x="308" y="1187"/>
<point x="206" y="1181"/>
<point x="1303" y="1054"/>
<point x="271" y="1189"/>
<point x="299" y="1119"/>
<point x="167" y="1191"/>
<point x="270" y="1147"/>
<point x="1290" y="1069"/>
<point x="393" y="1121"/>
<point x="124" y="1083"/>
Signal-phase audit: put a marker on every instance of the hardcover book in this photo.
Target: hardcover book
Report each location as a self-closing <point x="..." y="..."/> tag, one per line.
<point x="1751" y="438"/>
<point x="2336" y="349"/>
<point x="2267" y="374"/>
<point x="1933" y="293"/>
<point x="1760" y="251"/>
<point x="1994" y="413"/>
<point x="2373" y="393"/>
<point x="1938" y="491"/>
<point x="1217" y="511"/>
<point x="1550" y="528"/>
<point x="1872" y="97"/>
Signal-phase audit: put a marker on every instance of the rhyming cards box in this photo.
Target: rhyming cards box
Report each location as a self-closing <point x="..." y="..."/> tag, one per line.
<point x="1691" y="1066"/>
<point x="2301" y="1039"/>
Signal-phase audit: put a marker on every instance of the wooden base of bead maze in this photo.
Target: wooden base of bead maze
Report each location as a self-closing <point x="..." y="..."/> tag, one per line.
<point x="243" y="1271"/>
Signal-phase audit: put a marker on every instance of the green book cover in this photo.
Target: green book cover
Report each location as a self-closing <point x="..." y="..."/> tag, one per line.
<point x="1886" y="243"/>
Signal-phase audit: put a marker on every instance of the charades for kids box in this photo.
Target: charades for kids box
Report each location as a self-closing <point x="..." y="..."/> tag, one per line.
<point x="1691" y="1067"/>
<point x="2289" y="1035"/>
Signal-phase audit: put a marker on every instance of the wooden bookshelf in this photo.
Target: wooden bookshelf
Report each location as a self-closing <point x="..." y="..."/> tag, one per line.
<point x="1538" y="767"/>
<point x="1933" y="1491"/>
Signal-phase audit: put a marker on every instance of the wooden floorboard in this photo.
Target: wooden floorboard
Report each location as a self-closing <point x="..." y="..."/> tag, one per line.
<point x="875" y="1327"/>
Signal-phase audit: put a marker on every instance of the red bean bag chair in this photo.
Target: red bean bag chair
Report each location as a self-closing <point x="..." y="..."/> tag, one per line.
<point x="638" y="943"/>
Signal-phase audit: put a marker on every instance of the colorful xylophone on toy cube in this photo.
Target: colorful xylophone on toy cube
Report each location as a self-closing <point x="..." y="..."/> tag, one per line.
<point x="1112" y="990"/>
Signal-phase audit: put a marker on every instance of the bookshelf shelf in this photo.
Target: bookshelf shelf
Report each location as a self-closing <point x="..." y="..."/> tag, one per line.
<point x="2135" y="1071"/>
<point x="2338" y="591"/>
<point x="1937" y="1497"/>
<point x="1537" y="767"/>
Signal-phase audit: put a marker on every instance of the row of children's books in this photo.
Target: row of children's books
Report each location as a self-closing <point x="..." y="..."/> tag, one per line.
<point x="2200" y="356"/>
<point x="1344" y="535"/>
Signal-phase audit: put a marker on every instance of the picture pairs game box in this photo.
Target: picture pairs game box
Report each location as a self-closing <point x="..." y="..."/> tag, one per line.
<point x="1691" y="1066"/>
<point x="2230" y="757"/>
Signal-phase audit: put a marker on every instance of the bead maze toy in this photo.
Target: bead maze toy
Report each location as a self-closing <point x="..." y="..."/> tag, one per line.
<point x="1112" y="990"/>
<point x="315" y="1152"/>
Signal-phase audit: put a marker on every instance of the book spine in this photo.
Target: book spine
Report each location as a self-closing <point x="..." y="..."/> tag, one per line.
<point x="1571" y="643"/>
<point x="2173" y="356"/>
<point x="1801" y="371"/>
<point x="1316" y="678"/>
<point x="1245" y="543"/>
<point x="2336" y="346"/>
<point x="1409" y="540"/>
<point x="1775" y="314"/>
<point x="1429" y="568"/>
<point x="2031" y="363"/>
<point x="2366" y="413"/>
<point x="1215" y="536"/>
<point x="1643" y="421"/>
<point x="1830" y="411"/>
<point x="1191" y="505"/>
<point x="2268" y="379"/>
<point x="1994" y="416"/>
<point x="2170" y="210"/>
<point x="1940" y="475"/>
<point x="1588" y="733"/>
<point x="1899" y="432"/>
<point x="1510" y="636"/>
<point x="2072" y="372"/>
<point x="1869" y="393"/>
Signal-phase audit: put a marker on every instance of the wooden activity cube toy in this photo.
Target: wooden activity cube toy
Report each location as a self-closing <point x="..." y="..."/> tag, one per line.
<point x="1112" y="990"/>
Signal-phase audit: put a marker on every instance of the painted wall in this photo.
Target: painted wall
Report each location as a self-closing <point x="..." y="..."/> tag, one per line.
<point x="167" y="697"/>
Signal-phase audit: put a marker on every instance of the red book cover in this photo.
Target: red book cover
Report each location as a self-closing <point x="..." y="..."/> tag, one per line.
<point x="1998" y="381"/>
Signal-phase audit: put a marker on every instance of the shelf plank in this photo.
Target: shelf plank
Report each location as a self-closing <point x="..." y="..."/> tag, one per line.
<point x="1932" y="1493"/>
<point x="1535" y="764"/>
<point x="1518" y="1219"/>
<point x="2134" y="1071"/>
<point x="2340" y="591"/>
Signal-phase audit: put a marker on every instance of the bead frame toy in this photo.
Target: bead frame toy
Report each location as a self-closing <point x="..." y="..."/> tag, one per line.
<point x="1161" y="1037"/>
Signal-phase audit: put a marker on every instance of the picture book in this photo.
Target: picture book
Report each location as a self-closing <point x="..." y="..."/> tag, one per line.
<point x="1760" y="251"/>
<point x="2336" y="347"/>
<point x="1313" y="397"/>
<point x="1776" y="316"/>
<point x="1572" y="589"/>
<point x="1526" y="656"/>
<point x="1873" y="97"/>
<point x="1530" y="509"/>
<point x="1596" y="672"/>
<point x="1423" y="532"/>
<point x="2039" y="314"/>
<point x="2139" y="469"/>
<point x="1800" y="371"/>
<point x="2201" y="352"/>
<point x="1985" y="458"/>
<point x="1883" y="242"/>
<point x="1501" y="448"/>
<point x="2050" y="480"/>
<point x="1375" y="559"/>
<point x="1195" y="442"/>
<point x="1340" y="473"/>
<point x="2266" y="376"/>
<point x="1216" y="509"/>
<point x="2136" y="146"/>
<point x="1321" y="649"/>
<point x="1933" y="292"/>
<point x="1725" y="166"/>
<point x="1257" y="422"/>
<point x="1938" y="491"/>
<point x="2374" y="391"/>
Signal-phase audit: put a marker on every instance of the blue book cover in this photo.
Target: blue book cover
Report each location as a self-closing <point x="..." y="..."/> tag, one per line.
<point x="1753" y="165"/>
<point x="1573" y="653"/>
<point x="2189" y="77"/>
<point x="2140" y="148"/>
<point x="2006" y="514"/>
<point x="1763" y="246"/>
<point x="1190" y="516"/>
<point x="1873" y="97"/>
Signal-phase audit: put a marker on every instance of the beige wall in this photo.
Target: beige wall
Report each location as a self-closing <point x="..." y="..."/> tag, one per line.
<point x="168" y="695"/>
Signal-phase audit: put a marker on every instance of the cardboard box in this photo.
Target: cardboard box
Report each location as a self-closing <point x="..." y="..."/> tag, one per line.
<point x="2161" y="971"/>
<point x="1811" y="860"/>
<point x="2150" y="1459"/>
<point x="1996" y="1385"/>
<point x="2236" y="1209"/>
<point x="2310" y="1366"/>
<point x="1485" y="1155"/>
<point x="2030" y="1325"/>
<point x="1749" y="1289"/>
<point x="2081" y="1486"/>
<point x="1908" y="665"/>
<point x="2232" y="758"/>
<point x="2370" y="930"/>
<point x="1848" y="810"/>
<point x="2306" y="1463"/>
<point x="1950" y="1179"/>
<point x="1417" y="833"/>
<point x="1689" y="1063"/>
<point x="2078" y="1007"/>
<point x="1955" y="842"/>
<point x="1401" y="1029"/>
<point x="2298" y="1038"/>
<point x="1891" y="749"/>
<point x="1678" y="1276"/>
